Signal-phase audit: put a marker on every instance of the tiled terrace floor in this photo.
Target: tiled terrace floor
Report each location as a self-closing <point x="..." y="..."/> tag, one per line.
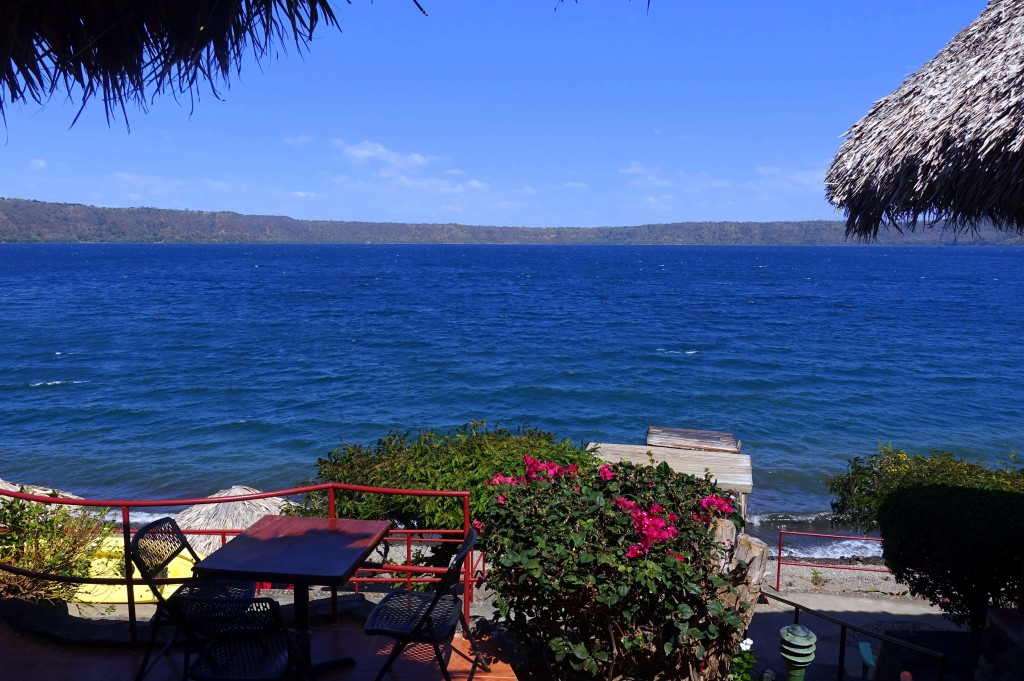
<point x="29" y="657"/>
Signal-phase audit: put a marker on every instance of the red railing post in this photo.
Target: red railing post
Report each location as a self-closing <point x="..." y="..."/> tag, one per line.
<point x="778" y="564"/>
<point x="330" y="502"/>
<point x="129" y="571"/>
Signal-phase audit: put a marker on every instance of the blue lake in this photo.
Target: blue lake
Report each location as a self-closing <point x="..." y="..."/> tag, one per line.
<point x="157" y="370"/>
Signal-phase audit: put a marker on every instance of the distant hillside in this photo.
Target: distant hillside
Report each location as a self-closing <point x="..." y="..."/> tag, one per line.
<point x="37" y="221"/>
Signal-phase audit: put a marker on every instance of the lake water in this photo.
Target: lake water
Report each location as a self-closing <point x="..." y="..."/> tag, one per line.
<point x="174" y="371"/>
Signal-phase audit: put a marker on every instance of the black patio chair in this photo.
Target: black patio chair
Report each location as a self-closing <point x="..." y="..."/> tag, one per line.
<point x="153" y="547"/>
<point x="254" y="644"/>
<point x="425" y="616"/>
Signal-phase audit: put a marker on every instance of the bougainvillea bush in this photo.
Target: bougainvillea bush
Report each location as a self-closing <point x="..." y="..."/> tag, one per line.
<point x="614" y="572"/>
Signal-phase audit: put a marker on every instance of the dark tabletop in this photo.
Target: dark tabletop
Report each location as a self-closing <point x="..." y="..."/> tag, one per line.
<point x="294" y="549"/>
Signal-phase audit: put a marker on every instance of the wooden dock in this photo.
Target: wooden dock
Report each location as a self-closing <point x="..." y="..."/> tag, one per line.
<point x="685" y="438"/>
<point x="692" y="452"/>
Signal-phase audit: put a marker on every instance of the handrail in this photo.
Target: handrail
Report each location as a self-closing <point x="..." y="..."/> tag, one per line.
<point x="125" y="506"/>
<point x="824" y="566"/>
<point x="940" y="658"/>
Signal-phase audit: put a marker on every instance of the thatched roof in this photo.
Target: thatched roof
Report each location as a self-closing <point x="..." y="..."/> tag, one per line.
<point x="127" y="50"/>
<point x="232" y="515"/>
<point x="948" y="144"/>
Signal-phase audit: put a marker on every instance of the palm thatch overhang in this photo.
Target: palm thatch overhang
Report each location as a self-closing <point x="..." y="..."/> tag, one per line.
<point x="948" y="145"/>
<point x="229" y="515"/>
<point x="127" y="50"/>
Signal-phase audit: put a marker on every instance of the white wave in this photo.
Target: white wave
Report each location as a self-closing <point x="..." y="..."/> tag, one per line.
<point x="844" y="548"/>
<point x="138" y="516"/>
<point x="41" y="384"/>
<point x="757" y="519"/>
<point x="691" y="352"/>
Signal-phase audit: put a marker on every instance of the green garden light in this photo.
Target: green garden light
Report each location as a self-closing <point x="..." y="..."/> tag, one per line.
<point x="797" y="648"/>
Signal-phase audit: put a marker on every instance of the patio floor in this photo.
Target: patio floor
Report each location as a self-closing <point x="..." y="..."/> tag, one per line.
<point x="30" y="657"/>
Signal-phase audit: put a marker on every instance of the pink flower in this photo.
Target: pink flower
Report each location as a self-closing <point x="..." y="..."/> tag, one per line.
<point x="606" y="472"/>
<point x="502" y="499"/>
<point x="478" y="525"/>
<point x="501" y="479"/>
<point x="714" y="502"/>
<point x="649" y="524"/>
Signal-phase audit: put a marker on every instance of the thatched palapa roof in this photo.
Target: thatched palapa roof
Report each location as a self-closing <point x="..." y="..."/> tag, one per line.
<point x="126" y="50"/>
<point x="231" y="515"/>
<point x="948" y="144"/>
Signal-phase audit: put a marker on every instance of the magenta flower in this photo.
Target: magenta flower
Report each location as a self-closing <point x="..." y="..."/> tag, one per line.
<point x="606" y="472"/>
<point x="714" y="502"/>
<point x="501" y="479"/>
<point x="649" y="524"/>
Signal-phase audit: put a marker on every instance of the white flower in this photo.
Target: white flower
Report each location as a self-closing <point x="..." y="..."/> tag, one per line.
<point x="746" y="644"/>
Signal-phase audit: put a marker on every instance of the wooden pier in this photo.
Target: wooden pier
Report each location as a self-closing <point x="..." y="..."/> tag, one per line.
<point x="692" y="452"/>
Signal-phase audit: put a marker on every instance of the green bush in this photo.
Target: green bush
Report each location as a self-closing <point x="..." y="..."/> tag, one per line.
<point x="50" y="539"/>
<point x="860" y="491"/>
<point x="462" y="459"/>
<point x="960" y="548"/>
<point x="614" y="572"/>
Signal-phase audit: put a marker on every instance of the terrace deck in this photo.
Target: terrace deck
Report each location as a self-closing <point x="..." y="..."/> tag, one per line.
<point x="31" y="657"/>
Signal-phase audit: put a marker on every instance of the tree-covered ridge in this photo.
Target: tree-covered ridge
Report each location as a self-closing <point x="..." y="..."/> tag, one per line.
<point x="23" y="221"/>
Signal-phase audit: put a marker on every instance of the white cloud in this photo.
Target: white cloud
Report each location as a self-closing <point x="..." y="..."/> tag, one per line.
<point x="438" y="185"/>
<point x="37" y="164"/>
<point x="527" y="191"/>
<point x="298" y="140"/>
<point x="304" y="195"/>
<point x="702" y="182"/>
<point x="574" y="185"/>
<point x="150" y="184"/>
<point x="660" y="202"/>
<point x="366" y="151"/>
<point x="637" y="168"/>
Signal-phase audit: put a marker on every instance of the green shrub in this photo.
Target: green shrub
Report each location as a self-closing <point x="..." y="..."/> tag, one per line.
<point x="47" y="538"/>
<point x="860" y="491"/>
<point x="462" y="459"/>
<point x="614" y="572"/>
<point x="960" y="548"/>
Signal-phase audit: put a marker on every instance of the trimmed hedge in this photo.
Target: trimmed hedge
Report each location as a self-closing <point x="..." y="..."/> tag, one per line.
<point x="870" y="480"/>
<point x="465" y="458"/>
<point x="961" y="548"/>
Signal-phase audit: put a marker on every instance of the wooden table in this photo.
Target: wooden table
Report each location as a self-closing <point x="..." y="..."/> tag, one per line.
<point x="296" y="550"/>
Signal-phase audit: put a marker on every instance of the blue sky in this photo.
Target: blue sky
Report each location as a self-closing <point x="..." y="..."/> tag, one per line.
<point x="508" y="112"/>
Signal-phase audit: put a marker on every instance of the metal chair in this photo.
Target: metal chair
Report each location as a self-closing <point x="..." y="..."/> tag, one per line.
<point x="425" y="616"/>
<point x="153" y="547"/>
<point x="254" y="644"/>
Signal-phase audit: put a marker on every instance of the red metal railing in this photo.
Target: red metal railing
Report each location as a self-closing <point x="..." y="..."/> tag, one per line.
<point x="781" y="561"/>
<point x="367" y="574"/>
<point x="938" y="659"/>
